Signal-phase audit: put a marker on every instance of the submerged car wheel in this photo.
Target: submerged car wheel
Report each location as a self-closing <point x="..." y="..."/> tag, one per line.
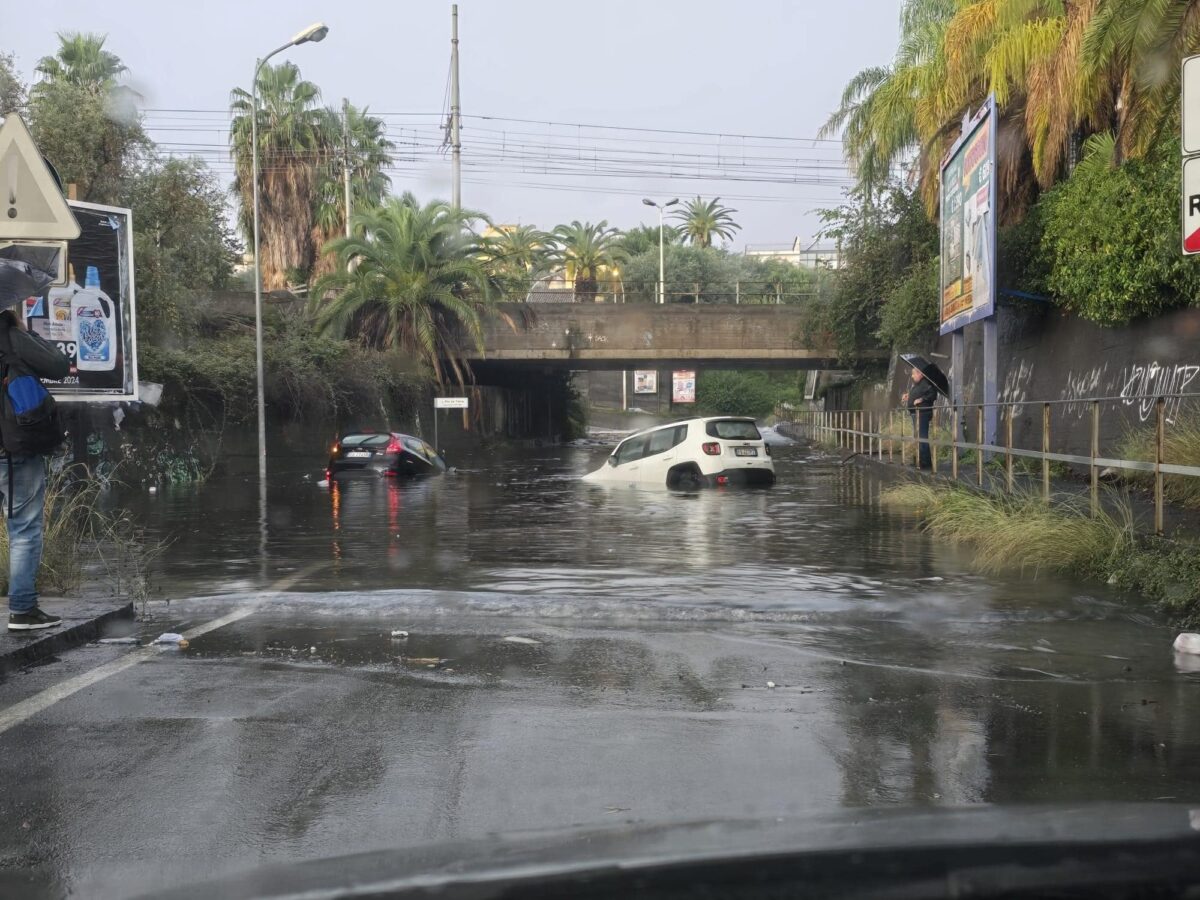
<point x="685" y="478"/>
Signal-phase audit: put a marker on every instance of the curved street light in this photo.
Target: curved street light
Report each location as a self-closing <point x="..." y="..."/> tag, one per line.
<point x="662" y="266"/>
<point x="312" y="34"/>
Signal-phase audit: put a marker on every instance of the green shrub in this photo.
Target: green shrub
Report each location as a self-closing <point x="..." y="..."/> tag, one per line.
<point x="1112" y="241"/>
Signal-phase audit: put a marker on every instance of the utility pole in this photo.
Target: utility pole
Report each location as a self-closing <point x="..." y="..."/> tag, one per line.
<point x="455" y="110"/>
<point x="346" y="158"/>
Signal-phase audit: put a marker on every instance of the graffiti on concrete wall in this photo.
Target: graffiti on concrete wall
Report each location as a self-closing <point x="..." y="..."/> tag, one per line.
<point x="1016" y="386"/>
<point x="1081" y="386"/>
<point x="1141" y="384"/>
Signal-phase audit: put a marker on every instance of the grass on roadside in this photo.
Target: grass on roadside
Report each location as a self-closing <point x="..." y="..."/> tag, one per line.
<point x="1022" y="532"/>
<point x="81" y="536"/>
<point x="1181" y="446"/>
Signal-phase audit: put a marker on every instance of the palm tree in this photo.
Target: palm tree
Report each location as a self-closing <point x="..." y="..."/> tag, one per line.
<point x="81" y="60"/>
<point x="353" y="134"/>
<point x="410" y="278"/>
<point x="701" y="222"/>
<point x="644" y="239"/>
<point x="517" y="254"/>
<point x="585" y="250"/>
<point x="293" y="146"/>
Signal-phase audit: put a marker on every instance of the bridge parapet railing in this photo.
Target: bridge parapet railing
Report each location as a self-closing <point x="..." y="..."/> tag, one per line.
<point x="626" y="291"/>
<point x="1145" y="441"/>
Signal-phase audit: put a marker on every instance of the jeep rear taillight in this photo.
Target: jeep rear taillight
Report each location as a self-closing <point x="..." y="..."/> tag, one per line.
<point x="711" y="449"/>
<point x="767" y="447"/>
<point x="394" y="445"/>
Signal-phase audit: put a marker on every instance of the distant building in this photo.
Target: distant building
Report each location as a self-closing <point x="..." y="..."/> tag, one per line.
<point x="808" y="255"/>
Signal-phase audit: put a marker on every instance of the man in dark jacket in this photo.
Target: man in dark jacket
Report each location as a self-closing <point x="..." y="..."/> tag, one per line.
<point x="23" y="353"/>
<point x="919" y="399"/>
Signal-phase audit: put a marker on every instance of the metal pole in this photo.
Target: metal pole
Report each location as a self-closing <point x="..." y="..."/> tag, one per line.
<point x="258" y="309"/>
<point x="979" y="453"/>
<point x="1160" y="419"/>
<point x="1045" y="450"/>
<point x="662" y="261"/>
<point x="1008" y="456"/>
<point x="436" y="445"/>
<point x="737" y="292"/>
<point x="1094" y="469"/>
<point x="891" y="431"/>
<point x="346" y="159"/>
<point x="954" y="446"/>
<point x="455" y="110"/>
<point x="624" y="390"/>
<point x="932" y="446"/>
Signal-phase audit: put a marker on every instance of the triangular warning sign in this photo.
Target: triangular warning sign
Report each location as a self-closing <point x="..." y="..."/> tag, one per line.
<point x="1191" y="243"/>
<point x="31" y="205"/>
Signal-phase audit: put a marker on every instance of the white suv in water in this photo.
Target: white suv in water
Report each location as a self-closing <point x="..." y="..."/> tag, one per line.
<point x="697" y="453"/>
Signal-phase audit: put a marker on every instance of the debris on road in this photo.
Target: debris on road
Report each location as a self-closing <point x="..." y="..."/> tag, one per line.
<point x="771" y="684"/>
<point x="1187" y="642"/>
<point x="397" y="633"/>
<point x="119" y="640"/>
<point x="423" y="660"/>
<point x="172" y="639"/>
<point x="517" y="639"/>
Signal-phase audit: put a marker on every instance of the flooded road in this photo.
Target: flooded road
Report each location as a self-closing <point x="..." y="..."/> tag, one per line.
<point x="576" y="657"/>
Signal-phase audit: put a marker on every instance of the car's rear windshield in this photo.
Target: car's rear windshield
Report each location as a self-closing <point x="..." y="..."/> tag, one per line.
<point x="733" y="430"/>
<point x="374" y="439"/>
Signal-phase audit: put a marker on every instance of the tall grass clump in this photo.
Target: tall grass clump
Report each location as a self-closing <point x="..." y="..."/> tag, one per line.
<point x="1181" y="446"/>
<point x="1020" y="531"/>
<point x="81" y="537"/>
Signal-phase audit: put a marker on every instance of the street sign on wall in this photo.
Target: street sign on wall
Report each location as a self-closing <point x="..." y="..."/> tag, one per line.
<point x="968" y="224"/>
<point x="449" y="402"/>
<point x="1191" y="205"/>
<point x="1190" y="115"/>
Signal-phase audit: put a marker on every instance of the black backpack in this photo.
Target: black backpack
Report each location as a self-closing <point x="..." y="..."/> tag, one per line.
<point x="29" y="420"/>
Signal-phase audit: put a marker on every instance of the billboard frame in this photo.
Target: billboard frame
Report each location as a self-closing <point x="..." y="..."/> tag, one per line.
<point x="133" y="394"/>
<point x="986" y="115"/>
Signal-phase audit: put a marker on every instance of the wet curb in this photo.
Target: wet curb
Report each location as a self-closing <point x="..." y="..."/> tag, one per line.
<point x="82" y="623"/>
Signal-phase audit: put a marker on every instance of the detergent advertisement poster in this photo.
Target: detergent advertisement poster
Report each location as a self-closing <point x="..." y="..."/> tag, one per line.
<point x="90" y="319"/>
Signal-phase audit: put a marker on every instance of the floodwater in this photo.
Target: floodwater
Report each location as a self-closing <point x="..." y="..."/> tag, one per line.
<point x="949" y="685"/>
<point x="577" y="659"/>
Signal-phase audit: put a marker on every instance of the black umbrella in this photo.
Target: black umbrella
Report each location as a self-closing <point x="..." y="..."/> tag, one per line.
<point x="930" y="370"/>
<point x="19" y="280"/>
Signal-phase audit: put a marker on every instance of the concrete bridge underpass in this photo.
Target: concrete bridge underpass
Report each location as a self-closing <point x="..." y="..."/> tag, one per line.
<point x="632" y="336"/>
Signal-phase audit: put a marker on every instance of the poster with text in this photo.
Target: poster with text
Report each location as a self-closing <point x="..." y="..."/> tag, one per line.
<point x="645" y="381"/>
<point x="683" y="386"/>
<point x="91" y="318"/>
<point x="968" y="224"/>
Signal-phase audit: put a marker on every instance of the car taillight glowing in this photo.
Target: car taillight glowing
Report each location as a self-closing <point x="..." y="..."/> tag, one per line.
<point x="722" y="479"/>
<point x="335" y="449"/>
<point x="394" y="446"/>
<point x="711" y="449"/>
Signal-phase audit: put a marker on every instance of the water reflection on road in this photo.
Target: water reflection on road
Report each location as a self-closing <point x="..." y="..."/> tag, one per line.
<point x="912" y="678"/>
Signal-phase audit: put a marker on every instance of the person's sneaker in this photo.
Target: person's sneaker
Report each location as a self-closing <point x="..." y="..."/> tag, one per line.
<point x="32" y="620"/>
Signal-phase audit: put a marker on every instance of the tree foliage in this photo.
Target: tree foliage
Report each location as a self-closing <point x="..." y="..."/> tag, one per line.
<point x="182" y="242"/>
<point x="881" y="241"/>
<point x="700" y="222"/>
<point x="586" y="251"/>
<point x="413" y="278"/>
<point x="12" y="88"/>
<point x="1111" y="240"/>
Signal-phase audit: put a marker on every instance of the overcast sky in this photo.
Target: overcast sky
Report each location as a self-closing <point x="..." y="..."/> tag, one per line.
<point x="716" y="69"/>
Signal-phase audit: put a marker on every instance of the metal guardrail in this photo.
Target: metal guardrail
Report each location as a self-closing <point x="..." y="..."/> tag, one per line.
<point x="868" y="431"/>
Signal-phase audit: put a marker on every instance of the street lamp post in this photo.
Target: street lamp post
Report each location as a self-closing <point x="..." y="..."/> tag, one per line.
<point x="662" y="267"/>
<point x="313" y="33"/>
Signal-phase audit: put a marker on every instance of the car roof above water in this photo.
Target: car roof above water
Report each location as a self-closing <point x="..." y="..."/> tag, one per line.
<point x="653" y="428"/>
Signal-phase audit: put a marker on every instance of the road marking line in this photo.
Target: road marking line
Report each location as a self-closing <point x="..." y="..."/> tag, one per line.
<point x="31" y="706"/>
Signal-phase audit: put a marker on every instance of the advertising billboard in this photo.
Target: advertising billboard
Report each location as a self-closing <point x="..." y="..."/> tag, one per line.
<point x="91" y="318"/>
<point x="968" y="224"/>
<point x="683" y="386"/>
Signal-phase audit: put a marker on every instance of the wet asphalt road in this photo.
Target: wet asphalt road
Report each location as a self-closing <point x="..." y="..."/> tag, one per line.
<point x="580" y="691"/>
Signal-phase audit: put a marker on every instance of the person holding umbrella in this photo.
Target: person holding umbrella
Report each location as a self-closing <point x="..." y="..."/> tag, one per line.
<point x="927" y="382"/>
<point x="26" y="437"/>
